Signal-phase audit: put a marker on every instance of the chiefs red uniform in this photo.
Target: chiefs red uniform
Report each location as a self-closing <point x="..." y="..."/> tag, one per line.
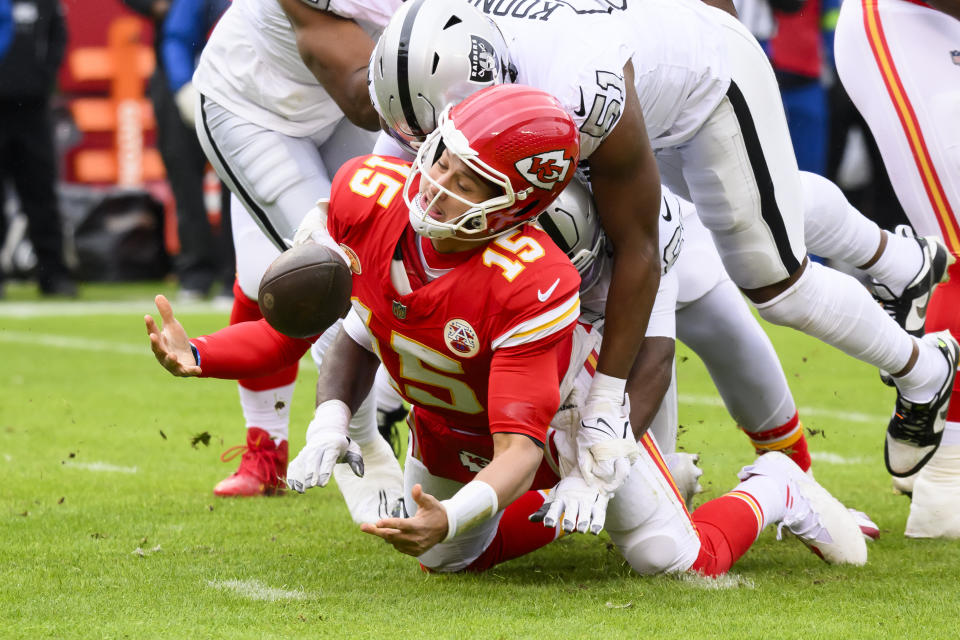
<point x="460" y="347"/>
<point x="478" y="350"/>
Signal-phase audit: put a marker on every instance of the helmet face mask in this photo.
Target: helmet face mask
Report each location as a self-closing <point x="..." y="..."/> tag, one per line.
<point x="433" y="53"/>
<point x="472" y="224"/>
<point x="516" y="138"/>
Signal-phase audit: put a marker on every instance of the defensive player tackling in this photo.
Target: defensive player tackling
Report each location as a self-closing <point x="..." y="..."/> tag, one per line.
<point x="473" y="312"/>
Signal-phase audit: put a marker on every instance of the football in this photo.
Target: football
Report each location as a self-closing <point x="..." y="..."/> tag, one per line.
<point x="305" y="290"/>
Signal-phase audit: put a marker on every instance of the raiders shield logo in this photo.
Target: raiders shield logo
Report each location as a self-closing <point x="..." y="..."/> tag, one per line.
<point x="483" y="60"/>
<point x="544" y="169"/>
<point x="460" y="338"/>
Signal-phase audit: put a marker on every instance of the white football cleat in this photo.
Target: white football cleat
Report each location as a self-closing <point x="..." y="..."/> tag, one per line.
<point x="379" y="493"/>
<point x="813" y="515"/>
<point x="686" y="474"/>
<point x="868" y="527"/>
<point x="915" y="429"/>
<point x="935" y="506"/>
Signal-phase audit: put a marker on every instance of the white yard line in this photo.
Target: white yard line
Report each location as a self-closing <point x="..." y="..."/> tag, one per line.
<point x="256" y="590"/>
<point x="86" y="344"/>
<point x="70" y="342"/>
<point x="117" y="308"/>
<point x="104" y="467"/>
<point x="848" y="416"/>
<point x="83" y="344"/>
<point x="833" y="458"/>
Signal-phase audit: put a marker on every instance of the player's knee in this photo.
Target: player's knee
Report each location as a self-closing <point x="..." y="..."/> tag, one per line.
<point x="649" y="555"/>
<point x="793" y="307"/>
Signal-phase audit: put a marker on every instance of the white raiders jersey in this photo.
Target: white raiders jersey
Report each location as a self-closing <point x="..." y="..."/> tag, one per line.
<point x="678" y="56"/>
<point x="550" y="53"/>
<point x="673" y="210"/>
<point x="251" y="65"/>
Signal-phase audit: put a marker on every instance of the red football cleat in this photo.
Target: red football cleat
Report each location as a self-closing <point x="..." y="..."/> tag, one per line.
<point x="263" y="467"/>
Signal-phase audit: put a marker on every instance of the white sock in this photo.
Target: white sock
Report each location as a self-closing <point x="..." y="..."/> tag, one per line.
<point x="951" y="433"/>
<point x="832" y="228"/>
<point x="268" y="409"/>
<point x="899" y="263"/>
<point x="770" y="496"/>
<point x="835" y="308"/>
<point x="923" y="381"/>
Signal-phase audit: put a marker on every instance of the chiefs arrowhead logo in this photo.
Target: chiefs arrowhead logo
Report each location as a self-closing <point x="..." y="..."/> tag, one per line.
<point x="544" y="170"/>
<point x="472" y="461"/>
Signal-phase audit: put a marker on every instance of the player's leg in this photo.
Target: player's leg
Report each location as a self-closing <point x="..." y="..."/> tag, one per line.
<point x="905" y="269"/>
<point x="715" y="322"/>
<point x="896" y="61"/>
<point x="774" y="490"/>
<point x="648" y="522"/>
<point x="741" y="173"/>
<point x="933" y="512"/>
<point x="743" y="365"/>
<point x="275" y="179"/>
<point x="390" y="410"/>
<point x="265" y="401"/>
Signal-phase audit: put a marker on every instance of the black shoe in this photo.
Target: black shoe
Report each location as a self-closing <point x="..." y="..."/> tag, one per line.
<point x="909" y="309"/>
<point x="915" y="430"/>
<point x="387" y="426"/>
<point x="59" y="287"/>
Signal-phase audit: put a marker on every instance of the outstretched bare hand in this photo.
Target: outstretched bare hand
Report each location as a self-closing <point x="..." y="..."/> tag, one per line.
<point x="417" y="535"/>
<point x="171" y="345"/>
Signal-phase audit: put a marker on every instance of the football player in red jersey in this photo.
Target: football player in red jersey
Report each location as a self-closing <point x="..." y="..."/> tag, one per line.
<point x="473" y="313"/>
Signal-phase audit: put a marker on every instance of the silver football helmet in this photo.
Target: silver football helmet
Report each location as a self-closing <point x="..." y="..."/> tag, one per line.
<point x="433" y="53"/>
<point x="572" y="223"/>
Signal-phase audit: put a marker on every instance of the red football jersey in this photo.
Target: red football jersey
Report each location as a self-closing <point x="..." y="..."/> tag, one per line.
<point x="517" y="292"/>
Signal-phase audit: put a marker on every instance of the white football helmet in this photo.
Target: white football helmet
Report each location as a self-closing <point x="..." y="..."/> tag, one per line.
<point x="433" y="53"/>
<point x="573" y="224"/>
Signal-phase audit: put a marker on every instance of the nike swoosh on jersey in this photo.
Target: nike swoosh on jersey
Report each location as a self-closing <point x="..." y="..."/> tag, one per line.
<point x="583" y="109"/>
<point x="543" y="297"/>
<point x="667" y="215"/>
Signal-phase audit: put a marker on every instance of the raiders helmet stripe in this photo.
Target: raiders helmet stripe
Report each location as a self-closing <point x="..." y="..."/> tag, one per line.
<point x="403" y="78"/>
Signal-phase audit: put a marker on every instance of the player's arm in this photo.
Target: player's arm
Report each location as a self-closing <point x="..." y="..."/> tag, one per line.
<point x="347" y="372"/>
<point x="344" y="380"/>
<point x="336" y="50"/>
<point x="244" y="350"/>
<point x="626" y="187"/>
<point x="649" y="381"/>
<point x="949" y="7"/>
<point x="519" y="414"/>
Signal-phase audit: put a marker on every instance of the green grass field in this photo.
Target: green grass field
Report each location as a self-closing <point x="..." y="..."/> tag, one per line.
<point x="109" y="529"/>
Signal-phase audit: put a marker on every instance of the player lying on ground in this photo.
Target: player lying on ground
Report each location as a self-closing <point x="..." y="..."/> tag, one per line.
<point x="473" y="313"/>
